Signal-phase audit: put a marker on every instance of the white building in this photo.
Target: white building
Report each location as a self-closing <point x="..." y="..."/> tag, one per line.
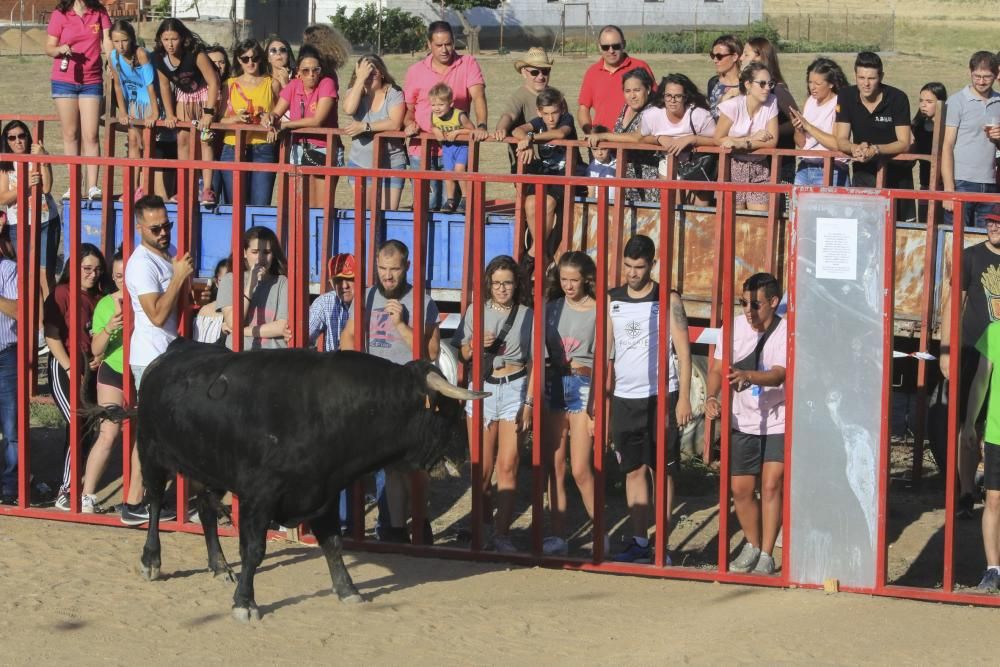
<point x="288" y="17"/>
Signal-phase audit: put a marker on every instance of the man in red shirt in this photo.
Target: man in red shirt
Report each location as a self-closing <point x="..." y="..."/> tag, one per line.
<point x="602" y="83"/>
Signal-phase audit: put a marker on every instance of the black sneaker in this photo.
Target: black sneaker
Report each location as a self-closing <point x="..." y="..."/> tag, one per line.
<point x="460" y="208"/>
<point x="395" y="535"/>
<point x="134" y="515"/>
<point x="450" y="206"/>
<point x="966" y="507"/>
<point x="990" y="582"/>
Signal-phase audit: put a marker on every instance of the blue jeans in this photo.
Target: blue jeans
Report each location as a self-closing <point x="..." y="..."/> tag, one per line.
<point x="48" y="252"/>
<point x="973" y="213"/>
<point x="383" y="505"/>
<point x="435" y="197"/>
<point x="8" y="419"/>
<point x="261" y="182"/>
<point x="812" y="174"/>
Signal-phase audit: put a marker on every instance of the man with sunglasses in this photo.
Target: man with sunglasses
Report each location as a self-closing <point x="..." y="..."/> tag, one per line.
<point x="980" y="293"/>
<point x="601" y="91"/>
<point x="757" y="440"/>
<point x="873" y="124"/>
<point x="521" y="107"/>
<point x="154" y="280"/>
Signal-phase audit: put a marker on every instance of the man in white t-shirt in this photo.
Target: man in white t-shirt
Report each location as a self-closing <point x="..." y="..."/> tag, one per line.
<point x="757" y="440"/>
<point x="634" y="321"/>
<point x="154" y="281"/>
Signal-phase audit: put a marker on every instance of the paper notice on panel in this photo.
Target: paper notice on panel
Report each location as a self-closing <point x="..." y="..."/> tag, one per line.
<point x="837" y="248"/>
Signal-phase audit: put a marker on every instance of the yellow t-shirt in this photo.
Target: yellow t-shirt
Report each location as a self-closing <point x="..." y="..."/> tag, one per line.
<point x="256" y="100"/>
<point x="450" y="122"/>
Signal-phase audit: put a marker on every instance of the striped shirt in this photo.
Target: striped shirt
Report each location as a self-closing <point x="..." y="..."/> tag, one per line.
<point x="8" y="290"/>
<point x="328" y="315"/>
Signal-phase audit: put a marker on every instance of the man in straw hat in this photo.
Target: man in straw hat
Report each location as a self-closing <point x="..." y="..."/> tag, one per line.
<point x="520" y="107"/>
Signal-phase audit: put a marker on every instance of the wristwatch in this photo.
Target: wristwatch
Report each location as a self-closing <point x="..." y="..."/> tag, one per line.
<point x="483" y="126"/>
<point x="368" y="127"/>
<point x="530" y="134"/>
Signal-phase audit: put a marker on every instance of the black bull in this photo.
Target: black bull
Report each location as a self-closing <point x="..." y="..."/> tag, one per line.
<point x="286" y="431"/>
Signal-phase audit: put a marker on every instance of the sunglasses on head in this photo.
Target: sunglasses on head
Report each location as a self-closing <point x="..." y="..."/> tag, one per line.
<point x="617" y="46"/>
<point x="275" y="50"/>
<point x="157" y="229"/>
<point x="719" y="56"/>
<point x="764" y="84"/>
<point x="17" y="137"/>
<point x="533" y="72"/>
<point x="246" y="60"/>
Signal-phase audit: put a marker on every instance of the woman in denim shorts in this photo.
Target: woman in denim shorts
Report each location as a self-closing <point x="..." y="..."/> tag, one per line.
<point x="78" y="33"/>
<point x="570" y="330"/>
<point x="507" y="412"/>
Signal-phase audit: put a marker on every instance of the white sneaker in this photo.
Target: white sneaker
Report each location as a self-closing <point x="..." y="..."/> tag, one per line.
<point x="67" y="195"/>
<point x="88" y="504"/>
<point x="94" y="193"/>
<point x="554" y="546"/>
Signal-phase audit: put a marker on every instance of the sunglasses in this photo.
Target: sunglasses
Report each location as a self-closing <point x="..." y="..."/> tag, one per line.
<point x="764" y="84"/>
<point x="156" y="230"/>
<point x="310" y="70"/>
<point x="617" y="46"/>
<point x="753" y="305"/>
<point x="246" y="60"/>
<point x="533" y="73"/>
<point x="276" y="50"/>
<point x="17" y="137"/>
<point x="720" y="56"/>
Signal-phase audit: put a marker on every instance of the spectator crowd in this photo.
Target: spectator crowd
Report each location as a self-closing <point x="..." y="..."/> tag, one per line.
<point x="186" y="90"/>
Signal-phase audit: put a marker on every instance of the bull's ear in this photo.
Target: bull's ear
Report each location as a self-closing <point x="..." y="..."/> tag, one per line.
<point x="435" y="382"/>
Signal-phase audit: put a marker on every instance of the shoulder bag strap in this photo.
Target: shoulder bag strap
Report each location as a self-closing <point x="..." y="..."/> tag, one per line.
<point x="759" y="349"/>
<point x="504" y="330"/>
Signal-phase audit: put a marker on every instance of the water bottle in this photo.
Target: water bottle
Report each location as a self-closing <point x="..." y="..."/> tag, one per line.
<point x="64" y="65"/>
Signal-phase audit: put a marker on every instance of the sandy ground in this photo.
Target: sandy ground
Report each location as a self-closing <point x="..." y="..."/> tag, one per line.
<point x="72" y="594"/>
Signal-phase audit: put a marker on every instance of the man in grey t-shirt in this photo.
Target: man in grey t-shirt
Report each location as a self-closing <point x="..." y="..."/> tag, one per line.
<point x="388" y="308"/>
<point x="522" y="105"/>
<point x="971" y="135"/>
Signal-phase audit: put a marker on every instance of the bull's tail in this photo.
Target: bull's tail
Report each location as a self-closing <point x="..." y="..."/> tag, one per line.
<point x="94" y="414"/>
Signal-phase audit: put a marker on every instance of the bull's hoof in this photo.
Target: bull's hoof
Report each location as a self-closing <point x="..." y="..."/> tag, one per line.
<point x="225" y="574"/>
<point x="352" y="598"/>
<point x="149" y="573"/>
<point x="246" y="614"/>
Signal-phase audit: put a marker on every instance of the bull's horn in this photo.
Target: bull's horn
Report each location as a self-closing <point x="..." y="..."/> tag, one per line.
<point x="442" y="386"/>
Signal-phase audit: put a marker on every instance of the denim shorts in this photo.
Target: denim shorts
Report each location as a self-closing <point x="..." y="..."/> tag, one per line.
<point x="504" y="403"/>
<point x="452" y="154"/>
<point x="568" y="393"/>
<point x="64" y="89"/>
<point x="394" y="183"/>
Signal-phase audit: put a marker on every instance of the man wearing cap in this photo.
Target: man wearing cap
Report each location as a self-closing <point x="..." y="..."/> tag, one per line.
<point x="602" y="83"/>
<point x="329" y="313"/>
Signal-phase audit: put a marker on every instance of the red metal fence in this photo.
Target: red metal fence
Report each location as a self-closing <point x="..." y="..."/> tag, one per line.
<point x="293" y="206"/>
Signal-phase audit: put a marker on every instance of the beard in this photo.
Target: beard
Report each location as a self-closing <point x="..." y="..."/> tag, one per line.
<point x="397" y="292"/>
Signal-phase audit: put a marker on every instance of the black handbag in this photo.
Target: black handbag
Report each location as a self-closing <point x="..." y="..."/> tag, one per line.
<point x="697" y="166"/>
<point x="312" y="157"/>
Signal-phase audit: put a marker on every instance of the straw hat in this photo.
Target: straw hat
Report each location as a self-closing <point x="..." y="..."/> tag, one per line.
<point x="536" y="57"/>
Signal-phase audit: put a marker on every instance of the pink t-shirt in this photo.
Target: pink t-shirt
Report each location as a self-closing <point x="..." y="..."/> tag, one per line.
<point x="303" y="105"/>
<point x="735" y="109"/>
<point x="758" y="410"/>
<point x="823" y="117"/>
<point x="655" y="122"/>
<point x="463" y="73"/>
<point x="85" y="35"/>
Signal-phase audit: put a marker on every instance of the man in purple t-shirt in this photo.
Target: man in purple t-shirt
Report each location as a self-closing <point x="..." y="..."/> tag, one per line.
<point x="757" y="441"/>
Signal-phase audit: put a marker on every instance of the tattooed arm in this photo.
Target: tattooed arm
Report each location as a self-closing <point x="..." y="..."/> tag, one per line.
<point x="682" y="345"/>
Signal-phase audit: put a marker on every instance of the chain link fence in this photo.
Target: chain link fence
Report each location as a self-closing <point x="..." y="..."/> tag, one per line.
<point x="835" y="30"/>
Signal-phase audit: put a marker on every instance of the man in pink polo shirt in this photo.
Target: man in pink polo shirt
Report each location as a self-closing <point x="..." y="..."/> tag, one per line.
<point x="757" y="439"/>
<point x="463" y="76"/>
<point x="601" y="90"/>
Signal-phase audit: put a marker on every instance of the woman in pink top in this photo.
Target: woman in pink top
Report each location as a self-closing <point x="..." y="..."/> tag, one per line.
<point x="814" y="126"/>
<point x="79" y="31"/>
<point x="679" y="121"/>
<point x="311" y="101"/>
<point x="746" y="123"/>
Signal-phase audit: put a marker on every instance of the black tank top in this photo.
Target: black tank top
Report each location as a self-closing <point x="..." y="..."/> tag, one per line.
<point x="186" y="77"/>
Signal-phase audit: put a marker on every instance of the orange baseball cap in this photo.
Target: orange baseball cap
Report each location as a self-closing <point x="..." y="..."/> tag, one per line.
<point x="341" y="266"/>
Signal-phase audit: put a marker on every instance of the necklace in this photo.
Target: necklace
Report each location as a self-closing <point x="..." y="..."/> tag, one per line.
<point x="500" y="308"/>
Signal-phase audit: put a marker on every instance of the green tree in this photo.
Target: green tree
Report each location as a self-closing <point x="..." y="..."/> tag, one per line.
<point x="461" y="7"/>
<point x="401" y="31"/>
